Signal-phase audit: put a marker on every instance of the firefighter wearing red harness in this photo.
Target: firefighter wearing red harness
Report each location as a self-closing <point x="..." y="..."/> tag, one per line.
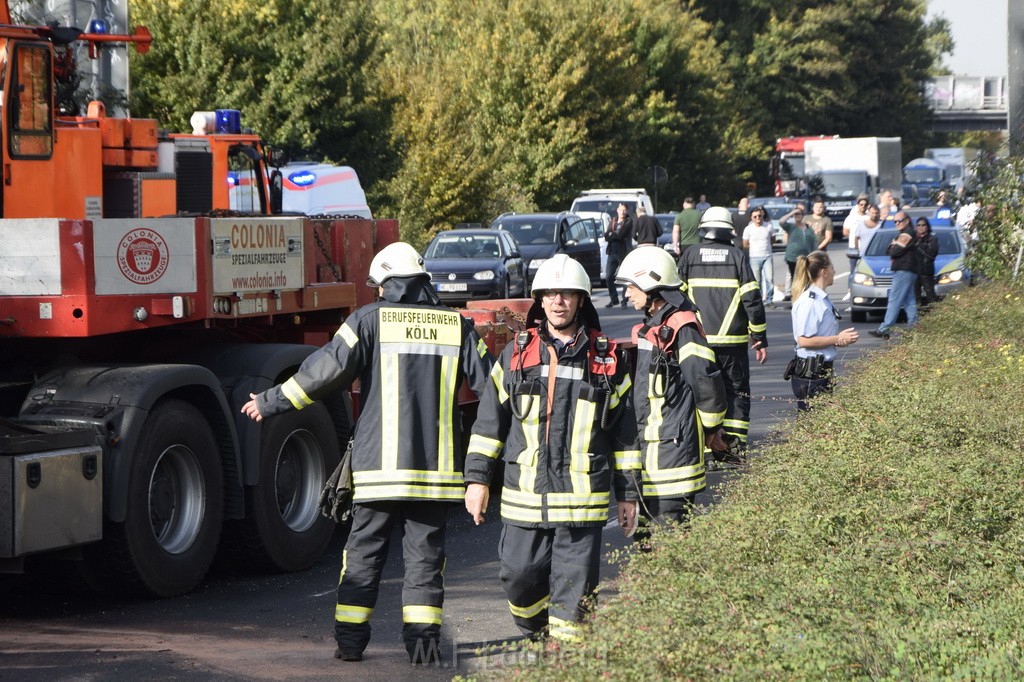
<point x="679" y="394"/>
<point x="559" y="411"/>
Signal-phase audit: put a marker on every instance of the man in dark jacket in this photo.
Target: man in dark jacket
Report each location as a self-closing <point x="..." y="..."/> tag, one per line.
<point x="409" y="353"/>
<point x="721" y="284"/>
<point x="647" y="228"/>
<point x="902" y="252"/>
<point x="620" y="242"/>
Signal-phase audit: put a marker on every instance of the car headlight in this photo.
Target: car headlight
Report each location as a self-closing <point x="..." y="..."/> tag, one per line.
<point x="484" y="274"/>
<point x="861" y="278"/>
<point x="537" y="262"/>
<point x="950" y="277"/>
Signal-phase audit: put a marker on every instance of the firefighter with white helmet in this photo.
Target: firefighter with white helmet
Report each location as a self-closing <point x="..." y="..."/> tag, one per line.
<point x="679" y="394"/>
<point x="718" y="280"/>
<point x="409" y="353"/>
<point x="559" y="411"/>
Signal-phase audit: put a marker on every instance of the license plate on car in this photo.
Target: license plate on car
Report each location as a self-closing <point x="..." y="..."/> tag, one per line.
<point x="452" y="286"/>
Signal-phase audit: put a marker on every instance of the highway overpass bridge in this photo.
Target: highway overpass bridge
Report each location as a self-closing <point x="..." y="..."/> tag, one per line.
<point x="963" y="103"/>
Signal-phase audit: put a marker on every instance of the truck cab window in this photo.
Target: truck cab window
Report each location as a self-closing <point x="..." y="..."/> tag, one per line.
<point x="31" y="111"/>
<point x="245" y="181"/>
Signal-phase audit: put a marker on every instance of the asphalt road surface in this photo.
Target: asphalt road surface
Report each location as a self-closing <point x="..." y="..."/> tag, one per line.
<point x="245" y="627"/>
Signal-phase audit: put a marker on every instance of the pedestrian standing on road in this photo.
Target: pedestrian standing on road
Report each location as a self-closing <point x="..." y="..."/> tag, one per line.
<point x="409" y="353"/>
<point x="757" y="240"/>
<point x="887" y="204"/>
<point x="646" y="229"/>
<point x="685" y="231"/>
<point x="815" y="328"/>
<point x="679" y="394"/>
<point x="800" y="241"/>
<point x="741" y="218"/>
<point x="559" y="411"/>
<point x="619" y="237"/>
<point x="902" y="252"/>
<point x="720" y="283"/>
<point x="703" y="204"/>
<point x="853" y="221"/>
<point x="821" y="224"/>
<point x="927" y="252"/>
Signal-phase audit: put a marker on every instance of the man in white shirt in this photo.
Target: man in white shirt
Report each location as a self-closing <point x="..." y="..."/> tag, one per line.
<point x="757" y="239"/>
<point x="850" y="226"/>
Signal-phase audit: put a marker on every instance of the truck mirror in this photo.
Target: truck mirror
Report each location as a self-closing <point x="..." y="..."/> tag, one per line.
<point x="276" y="192"/>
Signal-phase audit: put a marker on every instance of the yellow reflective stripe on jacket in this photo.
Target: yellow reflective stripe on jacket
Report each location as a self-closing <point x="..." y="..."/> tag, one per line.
<point x="531" y="610"/>
<point x="565" y="630"/>
<point x="296" y="396"/>
<point x="626" y="460"/>
<point x="653" y="474"/>
<point x="409" y="475"/>
<point x="514" y="512"/>
<point x="655" y="419"/>
<point x="347" y="613"/>
<point x="620" y="390"/>
<point x="446" y="399"/>
<point x="730" y="315"/>
<point x="481" y="348"/>
<point x="674" y="489"/>
<point x="498" y="377"/>
<point x="417" y="613"/>
<point x="710" y="419"/>
<point x="482" y="445"/>
<point x="736" y="423"/>
<point x="756" y="328"/>
<point x="414" y="491"/>
<point x="712" y="283"/>
<point x="579" y="446"/>
<point x="527" y="459"/>
<point x="749" y="286"/>
<point x="726" y="339"/>
<point x="348" y="336"/>
<point x="575" y="515"/>
<point x="344" y="565"/>
<point x="695" y="349"/>
<point x="389" y="425"/>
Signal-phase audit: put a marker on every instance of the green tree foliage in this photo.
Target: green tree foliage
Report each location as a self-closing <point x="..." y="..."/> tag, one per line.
<point x="998" y="249"/>
<point x="520" y="105"/>
<point x="853" y="68"/>
<point x="300" y="72"/>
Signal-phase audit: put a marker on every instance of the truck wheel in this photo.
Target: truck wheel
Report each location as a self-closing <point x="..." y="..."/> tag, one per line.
<point x="175" y="510"/>
<point x="283" y="529"/>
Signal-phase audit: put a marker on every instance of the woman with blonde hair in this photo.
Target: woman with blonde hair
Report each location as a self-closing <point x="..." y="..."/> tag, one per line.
<point x="815" y="328"/>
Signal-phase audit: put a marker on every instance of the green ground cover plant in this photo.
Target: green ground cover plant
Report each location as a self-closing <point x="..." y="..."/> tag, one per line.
<point x="882" y="537"/>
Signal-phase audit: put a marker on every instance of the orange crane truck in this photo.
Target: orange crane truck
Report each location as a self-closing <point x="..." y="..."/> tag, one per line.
<point x="138" y="310"/>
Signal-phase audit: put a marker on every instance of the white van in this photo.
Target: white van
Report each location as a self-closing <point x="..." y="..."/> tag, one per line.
<point x="602" y="205"/>
<point x="321" y="188"/>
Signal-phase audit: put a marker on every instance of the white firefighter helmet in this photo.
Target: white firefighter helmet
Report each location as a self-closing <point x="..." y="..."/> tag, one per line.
<point x="716" y="225"/>
<point x="562" y="273"/>
<point x="649" y="268"/>
<point x="395" y="260"/>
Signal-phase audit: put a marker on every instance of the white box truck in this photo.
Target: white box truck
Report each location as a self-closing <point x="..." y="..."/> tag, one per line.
<point x="961" y="164"/>
<point x="839" y="170"/>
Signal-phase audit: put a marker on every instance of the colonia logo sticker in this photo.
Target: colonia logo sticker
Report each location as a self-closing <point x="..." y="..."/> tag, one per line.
<point x="143" y="256"/>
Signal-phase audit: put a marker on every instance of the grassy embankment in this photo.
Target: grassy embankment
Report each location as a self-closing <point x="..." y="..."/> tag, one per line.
<point x="882" y="539"/>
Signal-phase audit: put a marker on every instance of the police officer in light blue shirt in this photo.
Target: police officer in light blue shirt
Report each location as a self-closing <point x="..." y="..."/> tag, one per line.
<point x="815" y="327"/>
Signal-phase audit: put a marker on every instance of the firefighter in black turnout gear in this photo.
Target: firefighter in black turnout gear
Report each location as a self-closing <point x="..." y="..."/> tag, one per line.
<point x="719" y="281"/>
<point x="559" y="411"/>
<point x="679" y="394"/>
<point x="409" y="353"/>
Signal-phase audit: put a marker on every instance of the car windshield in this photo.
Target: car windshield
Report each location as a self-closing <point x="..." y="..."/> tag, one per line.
<point x="602" y="205"/>
<point x="528" y="231"/>
<point x="949" y="242"/>
<point x="931" y="175"/>
<point x="835" y="186"/>
<point x="792" y="167"/>
<point x="463" y="247"/>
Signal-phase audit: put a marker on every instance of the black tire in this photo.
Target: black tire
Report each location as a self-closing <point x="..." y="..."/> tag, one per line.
<point x="175" y="510"/>
<point x="506" y="290"/>
<point x="858" y="316"/>
<point x="283" y="530"/>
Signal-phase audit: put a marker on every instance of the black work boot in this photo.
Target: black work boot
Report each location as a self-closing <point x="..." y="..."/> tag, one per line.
<point x="351" y="656"/>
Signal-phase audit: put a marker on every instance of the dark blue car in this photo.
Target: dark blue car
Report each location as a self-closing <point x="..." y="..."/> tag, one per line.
<point x="466" y="265"/>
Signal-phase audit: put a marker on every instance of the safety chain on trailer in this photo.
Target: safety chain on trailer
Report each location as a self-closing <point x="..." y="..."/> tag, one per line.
<point x="512" y="319"/>
<point x="326" y="254"/>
